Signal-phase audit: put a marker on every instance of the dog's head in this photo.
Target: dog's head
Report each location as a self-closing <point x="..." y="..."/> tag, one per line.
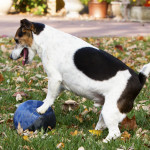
<point x="24" y="40"/>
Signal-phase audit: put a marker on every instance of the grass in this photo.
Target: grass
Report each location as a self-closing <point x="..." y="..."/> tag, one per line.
<point x="133" y="51"/>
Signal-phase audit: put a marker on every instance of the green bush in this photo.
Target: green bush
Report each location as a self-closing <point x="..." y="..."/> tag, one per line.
<point x="37" y="7"/>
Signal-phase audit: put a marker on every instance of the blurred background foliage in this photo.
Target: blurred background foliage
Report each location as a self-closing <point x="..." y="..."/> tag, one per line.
<point x="37" y="7"/>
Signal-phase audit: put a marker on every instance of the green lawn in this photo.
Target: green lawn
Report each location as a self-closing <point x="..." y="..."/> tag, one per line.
<point x="72" y="128"/>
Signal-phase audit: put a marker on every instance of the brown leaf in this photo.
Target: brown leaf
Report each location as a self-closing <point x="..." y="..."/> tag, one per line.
<point x="119" y="47"/>
<point x="79" y="118"/>
<point x="70" y="105"/>
<point x="21" y="93"/>
<point x="30" y="82"/>
<point x="125" y="136"/>
<point x="60" y="145"/>
<point x="9" y="120"/>
<point x="19" y="129"/>
<point x="140" y="38"/>
<point x="74" y="133"/>
<point x="129" y="124"/>
<point x="1" y="78"/>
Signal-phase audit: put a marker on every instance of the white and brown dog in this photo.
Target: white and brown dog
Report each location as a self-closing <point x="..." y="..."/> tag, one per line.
<point x="75" y="65"/>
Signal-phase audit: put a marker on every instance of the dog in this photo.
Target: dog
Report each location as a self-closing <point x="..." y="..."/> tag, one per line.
<point x="75" y="65"/>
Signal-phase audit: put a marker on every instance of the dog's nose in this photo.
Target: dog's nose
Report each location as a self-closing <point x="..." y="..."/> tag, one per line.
<point x="16" y="40"/>
<point x="10" y="56"/>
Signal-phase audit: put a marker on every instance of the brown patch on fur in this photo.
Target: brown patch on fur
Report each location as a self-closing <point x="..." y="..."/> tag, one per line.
<point x="24" y="36"/>
<point x="126" y="100"/>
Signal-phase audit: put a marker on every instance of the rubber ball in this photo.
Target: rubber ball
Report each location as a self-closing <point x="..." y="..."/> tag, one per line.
<point x="28" y="117"/>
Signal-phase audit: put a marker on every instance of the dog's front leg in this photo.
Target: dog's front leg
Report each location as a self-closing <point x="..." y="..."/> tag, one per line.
<point x="54" y="85"/>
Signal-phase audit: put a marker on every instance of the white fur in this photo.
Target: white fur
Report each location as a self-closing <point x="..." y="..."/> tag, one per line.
<point x="17" y="52"/>
<point x="146" y="70"/>
<point x="56" y="49"/>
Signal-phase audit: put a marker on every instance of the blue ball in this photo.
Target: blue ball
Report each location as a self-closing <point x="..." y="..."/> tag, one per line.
<point x="28" y="117"/>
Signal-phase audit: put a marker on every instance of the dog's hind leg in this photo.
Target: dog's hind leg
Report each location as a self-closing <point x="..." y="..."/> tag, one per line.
<point x="112" y="116"/>
<point x="101" y="124"/>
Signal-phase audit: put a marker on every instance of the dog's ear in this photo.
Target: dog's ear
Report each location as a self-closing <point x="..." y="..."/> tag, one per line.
<point x="27" y="25"/>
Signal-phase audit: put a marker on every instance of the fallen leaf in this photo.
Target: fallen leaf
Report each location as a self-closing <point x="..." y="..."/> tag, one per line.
<point x="18" y="97"/>
<point x="19" y="79"/>
<point x="30" y="82"/>
<point x="3" y="48"/>
<point x="140" y="38"/>
<point x="4" y="89"/>
<point x="116" y="54"/>
<point x="83" y="100"/>
<point x="2" y="121"/>
<point x="74" y="133"/>
<point x="132" y="47"/>
<point x="79" y="118"/>
<point x="119" y="47"/>
<point x="70" y="105"/>
<point x="19" y="129"/>
<point x="39" y="76"/>
<point x="26" y="147"/>
<point x="30" y="134"/>
<point x="1" y="77"/>
<point x="81" y="148"/>
<point x="143" y="101"/>
<point x="1" y="147"/>
<point x="10" y="120"/>
<point x="21" y="93"/>
<point x="3" y="134"/>
<point x="129" y="124"/>
<point x="96" y="132"/>
<point x="60" y="145"/>
<point x="26" y="138"/>
<point x="45" y="90"/>
<point x="125" y="136"/>
<point x="146" y="107"/>
<point x="85" y="112"/>
<point x="140" y="132"/>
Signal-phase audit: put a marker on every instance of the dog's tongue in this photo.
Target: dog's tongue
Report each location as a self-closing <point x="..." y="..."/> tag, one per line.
<point x="25" y="56"/>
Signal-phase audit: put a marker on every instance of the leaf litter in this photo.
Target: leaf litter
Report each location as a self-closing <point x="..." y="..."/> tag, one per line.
<point x="134" y="55"/>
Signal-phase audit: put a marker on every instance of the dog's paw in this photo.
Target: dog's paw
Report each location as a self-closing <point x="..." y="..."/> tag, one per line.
<point x="105" y="140"/>
<point x="41" y="110"/>
<point x="100" y="126"/>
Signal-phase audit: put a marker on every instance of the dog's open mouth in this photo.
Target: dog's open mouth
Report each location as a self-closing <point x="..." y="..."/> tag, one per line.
<point x="24" y="54"/>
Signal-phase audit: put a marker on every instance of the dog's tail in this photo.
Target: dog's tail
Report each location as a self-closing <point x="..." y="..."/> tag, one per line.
<point x="145" y="71"/>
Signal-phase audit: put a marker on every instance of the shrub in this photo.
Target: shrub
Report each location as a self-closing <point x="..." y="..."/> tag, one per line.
<point x="37" y="7"/>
